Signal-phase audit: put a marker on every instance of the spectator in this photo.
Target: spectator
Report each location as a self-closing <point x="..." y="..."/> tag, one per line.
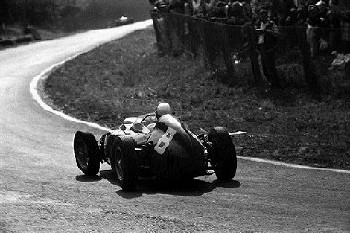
<point x="235" y="13"/>
<point x="208" y="7"/>
<point x="324" y="25"/>
<point x="302" y="12"/>
<point x="267" y="41"/>
<point x="247" y="10"/>
<point x="334" y="15"/>
<point x="159" y="2"/>
<point x="189" y="10"/>
<point x="177" y="6"/>
<point x="291" y="18"/>
<point x="281" y="10"/>
<point x="160" y="5"/>
<point x="198" y="8"/>
<point x="345" y="31"/>
<point x="313" y="29"/>
<point x="219" y="10"/>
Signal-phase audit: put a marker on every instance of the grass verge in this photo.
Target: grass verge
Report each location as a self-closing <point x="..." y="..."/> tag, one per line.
<point x="127" y="78"/>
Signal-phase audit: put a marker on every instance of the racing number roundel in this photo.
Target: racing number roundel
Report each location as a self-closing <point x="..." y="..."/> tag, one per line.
<point x="165" y="140"/>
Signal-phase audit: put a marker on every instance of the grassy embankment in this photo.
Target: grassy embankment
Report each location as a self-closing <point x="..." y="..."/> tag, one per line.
<point x="127" y="78"/>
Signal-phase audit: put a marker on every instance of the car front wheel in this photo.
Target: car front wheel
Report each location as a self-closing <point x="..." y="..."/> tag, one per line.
<point x="86" y="153"/>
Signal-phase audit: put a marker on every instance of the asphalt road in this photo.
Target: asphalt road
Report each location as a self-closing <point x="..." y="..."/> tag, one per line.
<point x="42" y="190"/>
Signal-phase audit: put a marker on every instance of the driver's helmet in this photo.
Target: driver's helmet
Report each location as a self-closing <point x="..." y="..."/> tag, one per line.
<point x="163" y="109"/>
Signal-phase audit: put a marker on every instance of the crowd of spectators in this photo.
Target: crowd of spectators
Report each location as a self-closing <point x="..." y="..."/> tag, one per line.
<point x="321" y="17"/>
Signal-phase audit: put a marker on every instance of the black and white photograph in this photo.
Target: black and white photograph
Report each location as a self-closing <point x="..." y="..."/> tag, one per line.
<point x="175" y="116"/>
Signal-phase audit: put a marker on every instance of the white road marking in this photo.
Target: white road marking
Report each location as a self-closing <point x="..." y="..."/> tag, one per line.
<point x="259" y="160"/>
<point x="43" y="75"/>
<point x="34" y="91"/>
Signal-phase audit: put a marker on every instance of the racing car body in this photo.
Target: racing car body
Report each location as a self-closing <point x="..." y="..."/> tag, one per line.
<point x="160" y="149"/>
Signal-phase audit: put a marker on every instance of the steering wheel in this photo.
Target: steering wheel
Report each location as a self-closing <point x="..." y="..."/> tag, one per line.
<point x="149" y="115"/>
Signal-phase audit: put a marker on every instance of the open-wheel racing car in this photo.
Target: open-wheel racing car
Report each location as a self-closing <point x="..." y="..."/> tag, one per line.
<point x="158" y="148"/>
<point x="123" y="20"/>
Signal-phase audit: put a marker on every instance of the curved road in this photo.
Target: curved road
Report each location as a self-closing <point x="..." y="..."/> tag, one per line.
<point x="41" y="190"/>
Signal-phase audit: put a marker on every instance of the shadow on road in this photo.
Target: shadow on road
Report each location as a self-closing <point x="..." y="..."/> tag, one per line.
<point x="227" y="184"/>
<point x="189" y="187"/>
<point x="85" y="178"/>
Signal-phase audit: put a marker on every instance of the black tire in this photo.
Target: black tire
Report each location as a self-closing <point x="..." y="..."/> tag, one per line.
<point x="222" y="154"/>
<point x="124" y="162"/>
<point x="86" y="153"/>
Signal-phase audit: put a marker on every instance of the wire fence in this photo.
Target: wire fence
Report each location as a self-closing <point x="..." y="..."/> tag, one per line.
<point x="232" y="52"/>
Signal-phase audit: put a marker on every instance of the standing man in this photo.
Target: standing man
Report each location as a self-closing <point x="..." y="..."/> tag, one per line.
<point x="267" y="42"/>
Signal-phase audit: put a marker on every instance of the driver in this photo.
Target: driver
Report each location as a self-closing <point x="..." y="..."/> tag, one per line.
<point x="178" y="151"/>
<point x="163" y="109"/>
<point x="165" y="128"/>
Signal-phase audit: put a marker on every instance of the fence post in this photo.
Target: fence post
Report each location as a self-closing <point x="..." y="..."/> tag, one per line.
<point x="201" y="27"/>
<point x="227" y="55"/>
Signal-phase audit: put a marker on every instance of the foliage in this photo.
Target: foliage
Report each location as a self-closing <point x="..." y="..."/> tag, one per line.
<point x="81" y="14"/>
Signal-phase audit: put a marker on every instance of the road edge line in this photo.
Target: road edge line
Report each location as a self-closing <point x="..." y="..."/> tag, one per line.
<point x="44" y="74"/>
<point x="36" y="96"/>
<point x="277" y="163"/>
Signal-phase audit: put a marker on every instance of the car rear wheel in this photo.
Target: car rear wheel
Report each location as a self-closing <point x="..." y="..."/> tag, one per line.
<point x="222" y="154"/>
<point x="86" y="153"/>
<point x="124" y="162"/>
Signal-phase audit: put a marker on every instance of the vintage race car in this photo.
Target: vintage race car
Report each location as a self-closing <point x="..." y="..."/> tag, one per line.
<point x="143" y="148"/>
<point x="123" y="20"/>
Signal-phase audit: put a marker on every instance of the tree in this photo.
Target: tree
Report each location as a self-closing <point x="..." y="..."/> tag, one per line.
<point x="4" y="11"/>
<point x="4" y="16"/>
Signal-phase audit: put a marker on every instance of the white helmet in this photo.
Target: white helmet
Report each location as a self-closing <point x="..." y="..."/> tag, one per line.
<point x="163" y="109"/>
